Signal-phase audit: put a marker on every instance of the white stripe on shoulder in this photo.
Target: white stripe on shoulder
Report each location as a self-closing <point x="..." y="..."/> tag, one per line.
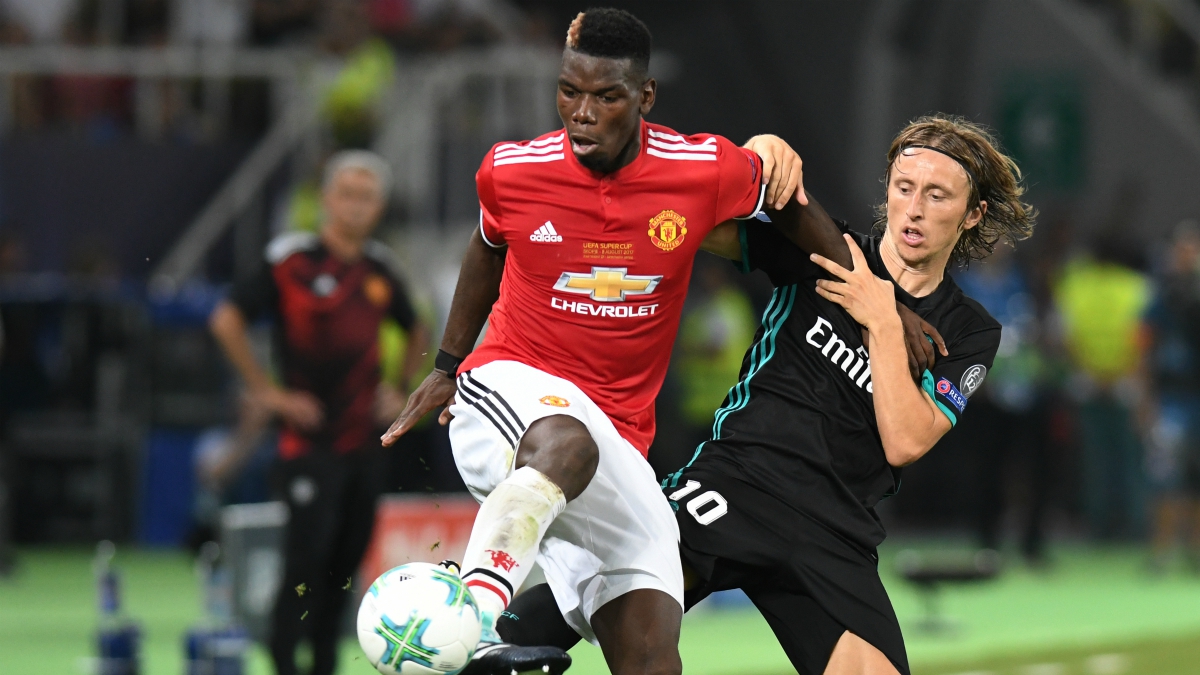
<point x="285" y="245"/>
<point x="534" y="144"/>
<point x="700" y="147"/>
<point x="667" y="137"/>
<point x="483" y="234"/>
<point x="531" y="159"/>
<point x="529" y="151"/>
<point x="687" y="156"/>
<point x="762" y="195"/>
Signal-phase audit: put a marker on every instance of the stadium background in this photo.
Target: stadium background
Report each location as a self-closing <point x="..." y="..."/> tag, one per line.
<point x="150" y="148"/>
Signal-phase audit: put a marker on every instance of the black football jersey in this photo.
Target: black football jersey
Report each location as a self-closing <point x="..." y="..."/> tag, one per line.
<point x="800" y="424"/>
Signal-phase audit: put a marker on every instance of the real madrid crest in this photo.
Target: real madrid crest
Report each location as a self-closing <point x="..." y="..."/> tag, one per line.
<point x="667" y="230"/>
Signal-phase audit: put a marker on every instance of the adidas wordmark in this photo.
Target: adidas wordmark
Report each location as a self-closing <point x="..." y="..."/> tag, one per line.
<point x="546" y="234"/>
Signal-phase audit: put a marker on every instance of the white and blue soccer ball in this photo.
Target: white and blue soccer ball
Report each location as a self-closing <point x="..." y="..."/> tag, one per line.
<point x="418" y="619"/>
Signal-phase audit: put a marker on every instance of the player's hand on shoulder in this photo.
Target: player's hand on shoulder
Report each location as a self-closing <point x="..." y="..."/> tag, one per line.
<point x="437" y="390"/>
<point x="783" y="170"/>
<point x="871" y="301"/>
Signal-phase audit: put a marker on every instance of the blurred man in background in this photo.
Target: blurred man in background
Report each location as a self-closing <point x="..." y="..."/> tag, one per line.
<point x="329" y="293"/>
<point x="1170" y="414"/>
<point x="1009" y="429"/>
<point x="1101" y="299"/>
<point x="717" y="326"/>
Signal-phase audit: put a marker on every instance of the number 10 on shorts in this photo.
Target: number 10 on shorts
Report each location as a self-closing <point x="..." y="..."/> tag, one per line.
<point x="700" y="502"/>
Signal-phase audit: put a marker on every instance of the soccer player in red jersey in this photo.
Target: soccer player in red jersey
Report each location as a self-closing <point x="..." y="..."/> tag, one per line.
<point x="582" y="258"/>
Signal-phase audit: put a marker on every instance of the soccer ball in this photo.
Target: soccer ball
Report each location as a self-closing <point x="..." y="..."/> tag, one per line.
<point x="418" y="619"/>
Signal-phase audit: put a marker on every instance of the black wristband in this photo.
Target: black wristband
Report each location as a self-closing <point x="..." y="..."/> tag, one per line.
<point x="447" y="363"/>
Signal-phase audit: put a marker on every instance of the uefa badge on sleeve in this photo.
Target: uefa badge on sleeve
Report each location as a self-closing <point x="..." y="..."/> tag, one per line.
<point x="951" y="393"/>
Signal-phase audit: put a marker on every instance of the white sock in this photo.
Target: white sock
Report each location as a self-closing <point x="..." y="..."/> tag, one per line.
<point x="505" y="538"/>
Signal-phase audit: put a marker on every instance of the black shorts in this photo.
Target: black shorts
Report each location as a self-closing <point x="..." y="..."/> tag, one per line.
<point x="810" y="584"/>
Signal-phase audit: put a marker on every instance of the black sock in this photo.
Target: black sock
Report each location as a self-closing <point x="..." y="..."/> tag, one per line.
<point x="533" y="620"/>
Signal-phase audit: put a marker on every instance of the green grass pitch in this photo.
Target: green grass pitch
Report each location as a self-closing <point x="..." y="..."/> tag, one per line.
<point x="1094" y="612"/>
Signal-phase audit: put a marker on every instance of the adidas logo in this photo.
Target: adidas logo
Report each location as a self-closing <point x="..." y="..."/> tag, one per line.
<point x="546" y="234"/>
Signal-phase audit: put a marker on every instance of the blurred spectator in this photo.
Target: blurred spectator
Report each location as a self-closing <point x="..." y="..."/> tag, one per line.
<point x="41" y="20"/>
<point x="1170" y="414"/>
<point x="1101" y="299"/>
<point x="344" y="26"/>
<point x="98" y="107"/>
<point x="715" y="331"/>
<point x="1010" y="425"/>
<point x="390" y="17"/>
<point x="329" y="292"/>
<point x="350" y="103"/>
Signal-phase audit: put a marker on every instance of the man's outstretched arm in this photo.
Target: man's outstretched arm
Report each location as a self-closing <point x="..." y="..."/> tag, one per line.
<point x="811" y="229"/>
<point x="477" y="290"/>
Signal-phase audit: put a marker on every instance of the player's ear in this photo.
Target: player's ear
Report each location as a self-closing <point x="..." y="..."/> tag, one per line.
<point x="975" y="216"/>
<point x="647" y="95"/>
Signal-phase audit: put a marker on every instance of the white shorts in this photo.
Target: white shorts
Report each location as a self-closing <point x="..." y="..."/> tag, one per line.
<point x="618" y="536"/>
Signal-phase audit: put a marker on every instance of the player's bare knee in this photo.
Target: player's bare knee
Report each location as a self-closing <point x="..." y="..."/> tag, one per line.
<point x="668" y="663"/>
<point x="560" y="447"/>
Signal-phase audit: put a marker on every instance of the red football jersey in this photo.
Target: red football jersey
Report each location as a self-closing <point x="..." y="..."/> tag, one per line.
<point x="598" y="265"/>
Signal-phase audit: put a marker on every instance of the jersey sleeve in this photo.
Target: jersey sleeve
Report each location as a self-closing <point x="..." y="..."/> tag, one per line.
<point x="957" y="377"/>
<point x="256" y="294"/>
<point x="740" y="188"/>
<point x="766" y="248"/>
<point x="489" y="205"/>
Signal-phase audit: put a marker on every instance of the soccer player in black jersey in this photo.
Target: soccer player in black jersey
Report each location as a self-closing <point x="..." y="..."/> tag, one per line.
<point x="781" y="502"/>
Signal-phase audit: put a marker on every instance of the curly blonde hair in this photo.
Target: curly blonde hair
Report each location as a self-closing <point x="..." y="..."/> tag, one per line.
<point x="993" y="176"/>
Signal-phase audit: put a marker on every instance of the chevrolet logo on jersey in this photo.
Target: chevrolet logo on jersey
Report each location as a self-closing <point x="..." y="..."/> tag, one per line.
<point x="607" y="284"/>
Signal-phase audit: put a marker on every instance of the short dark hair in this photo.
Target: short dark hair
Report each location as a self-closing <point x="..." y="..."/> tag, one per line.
<point x="610" y="33"/>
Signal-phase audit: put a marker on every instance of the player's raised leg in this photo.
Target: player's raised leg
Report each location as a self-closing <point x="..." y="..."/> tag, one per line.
<point x="576" y="497"/>
<point x="556" y="461"/>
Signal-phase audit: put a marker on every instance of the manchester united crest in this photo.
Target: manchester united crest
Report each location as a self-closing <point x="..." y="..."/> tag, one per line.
<point x="377" y="290"/>
<point x="667" y="230"/>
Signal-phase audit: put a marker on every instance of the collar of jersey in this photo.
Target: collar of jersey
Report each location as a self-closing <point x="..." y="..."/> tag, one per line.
<point x="626" y="171"/>
<point x="909" y="300"/>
